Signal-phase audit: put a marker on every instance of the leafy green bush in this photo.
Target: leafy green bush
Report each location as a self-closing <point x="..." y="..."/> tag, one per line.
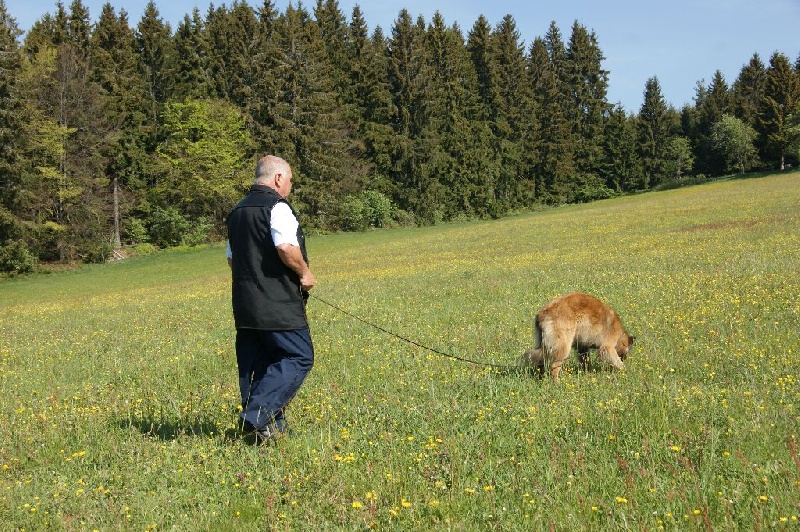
<point x="136" y="231"/>
<point x="15" y="258"/>
<point x="98" y="253"/>
<point x="168" y="227"/>
<point x="369" y="208"/>
<point x="143" y="249"/>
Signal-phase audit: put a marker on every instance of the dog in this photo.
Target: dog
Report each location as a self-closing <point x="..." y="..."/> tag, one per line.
<point x="580" y="320"/>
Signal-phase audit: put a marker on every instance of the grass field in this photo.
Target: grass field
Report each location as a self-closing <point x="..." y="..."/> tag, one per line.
<point x="120" y="389"/>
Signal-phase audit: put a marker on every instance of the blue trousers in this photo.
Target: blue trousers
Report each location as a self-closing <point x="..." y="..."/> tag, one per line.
<point x="272" y="366"/>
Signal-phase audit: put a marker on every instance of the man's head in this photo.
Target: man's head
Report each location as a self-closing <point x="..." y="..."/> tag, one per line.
<point x="275" y="173"/>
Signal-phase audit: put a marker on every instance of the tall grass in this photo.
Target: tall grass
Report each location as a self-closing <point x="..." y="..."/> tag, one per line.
<point x="119" y="381"/>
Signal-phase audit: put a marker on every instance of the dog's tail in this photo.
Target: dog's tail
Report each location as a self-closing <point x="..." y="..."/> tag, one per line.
<point x="537" y="332"/>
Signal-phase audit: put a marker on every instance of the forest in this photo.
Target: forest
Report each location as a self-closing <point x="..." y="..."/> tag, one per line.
<point x="121" y="137"/>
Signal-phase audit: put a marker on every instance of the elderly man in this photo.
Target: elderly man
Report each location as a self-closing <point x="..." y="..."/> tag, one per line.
<point x="271" y="280"/>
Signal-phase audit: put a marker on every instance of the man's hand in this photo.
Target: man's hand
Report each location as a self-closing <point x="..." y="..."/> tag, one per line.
<point x="292" y="257"/>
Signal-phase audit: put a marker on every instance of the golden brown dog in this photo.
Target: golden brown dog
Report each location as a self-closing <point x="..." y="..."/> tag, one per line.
<point x="580" y="320"/>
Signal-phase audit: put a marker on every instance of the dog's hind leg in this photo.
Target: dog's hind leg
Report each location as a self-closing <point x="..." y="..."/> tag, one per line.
<point x="535" y="357"/>
<point x="560" y="353"/>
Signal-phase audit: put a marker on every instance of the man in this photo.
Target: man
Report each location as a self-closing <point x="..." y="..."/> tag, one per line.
<point x="271" y="280"/>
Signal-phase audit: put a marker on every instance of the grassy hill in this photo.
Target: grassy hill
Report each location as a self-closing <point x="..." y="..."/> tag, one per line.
<point x="120" y="393"/>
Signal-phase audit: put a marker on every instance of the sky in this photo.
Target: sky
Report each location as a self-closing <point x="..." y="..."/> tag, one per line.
<point x="680" y="42"/>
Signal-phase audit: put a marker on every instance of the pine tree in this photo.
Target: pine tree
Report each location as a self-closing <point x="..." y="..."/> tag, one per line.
<point x="267" y="57"/>
<point x="513" y="116"/>
<point x="232" y="43"/>
<point x="311" y="128"/>
<point x="368" y="94"/>
<point x="117" y="70"/>
<point x="11" y="125"/>
<point x="622" y="168"/>
<point x="653" y="133"/>
<point x="779" y="110"/>
<point x="460" y="159"/>
<point x="748" y="90"/>
<point x="587" y="86"/>
<point x="711" y="104"/>
<point x="407" y="78"/>
<point x="334" y="32"/>
<point x="190" y="74"/>
<point x="155" y="50"/>
<point x="555" y="165"/>
<point x="479" y="46"/>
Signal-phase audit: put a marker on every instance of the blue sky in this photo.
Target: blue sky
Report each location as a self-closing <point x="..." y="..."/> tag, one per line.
<point x="679" y="41"/>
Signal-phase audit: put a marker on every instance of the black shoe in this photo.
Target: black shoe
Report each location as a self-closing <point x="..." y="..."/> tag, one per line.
<point x="267" y="434"/>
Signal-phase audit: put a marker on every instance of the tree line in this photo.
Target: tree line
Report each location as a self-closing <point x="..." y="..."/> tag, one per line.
<point x="114" y="135"/>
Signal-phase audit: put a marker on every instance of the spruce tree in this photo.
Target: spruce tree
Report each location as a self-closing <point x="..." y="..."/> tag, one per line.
<point x="653" y="133"/>
<point x="190" y="74"/>
<point x="586" y="83"/>
<point x="407" y="78"/>
<point x="311" y="129"/>
<point x="371" y="102"/>
<point x="232" y="42"/>
<point x="554" y="166"/>
<point x="513" y="116"/>
<point x="748" y="90"/>
<point x="621" y="168"/>
<point x="779" y="109"/>
<point x="116" y="67"/>
<point x="710" y="106"/>
<point x="267" y="55"/>
<point x="155" y="50"/>
<point x="11" y="125"/>
<point x="460" y="141"/>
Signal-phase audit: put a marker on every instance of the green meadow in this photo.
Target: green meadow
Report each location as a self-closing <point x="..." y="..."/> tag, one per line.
<point x="119" y="385"/>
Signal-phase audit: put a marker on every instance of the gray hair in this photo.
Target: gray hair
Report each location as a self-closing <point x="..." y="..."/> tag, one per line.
<point x="269" y="166"/>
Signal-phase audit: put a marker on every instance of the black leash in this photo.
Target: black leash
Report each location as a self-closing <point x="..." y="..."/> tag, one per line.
<point x="408" y="340"/>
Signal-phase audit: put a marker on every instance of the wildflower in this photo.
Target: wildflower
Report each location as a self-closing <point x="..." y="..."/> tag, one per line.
<point x="621" y="500"/>
<point x="357" y="505"/>
<point x="405" y="504"/>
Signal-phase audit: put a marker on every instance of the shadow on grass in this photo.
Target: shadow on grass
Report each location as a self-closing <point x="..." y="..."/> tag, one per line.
<point x="591" y="367"/>
<point x="174" y="429"/>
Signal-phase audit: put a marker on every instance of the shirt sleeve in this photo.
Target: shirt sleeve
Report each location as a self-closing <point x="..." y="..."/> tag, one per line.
<point x="283" y="225"/>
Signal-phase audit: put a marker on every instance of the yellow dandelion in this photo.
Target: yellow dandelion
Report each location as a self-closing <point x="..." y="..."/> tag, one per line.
<point x="405" y="504"/>
<point x="357" y="505"/>
<point x="621" y="500"/>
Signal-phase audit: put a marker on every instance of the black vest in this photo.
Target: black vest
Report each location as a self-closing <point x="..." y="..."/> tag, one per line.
<point x="266" y="293"/>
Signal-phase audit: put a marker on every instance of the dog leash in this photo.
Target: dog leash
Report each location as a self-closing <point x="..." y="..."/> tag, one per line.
<point x="409" y="341"/>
